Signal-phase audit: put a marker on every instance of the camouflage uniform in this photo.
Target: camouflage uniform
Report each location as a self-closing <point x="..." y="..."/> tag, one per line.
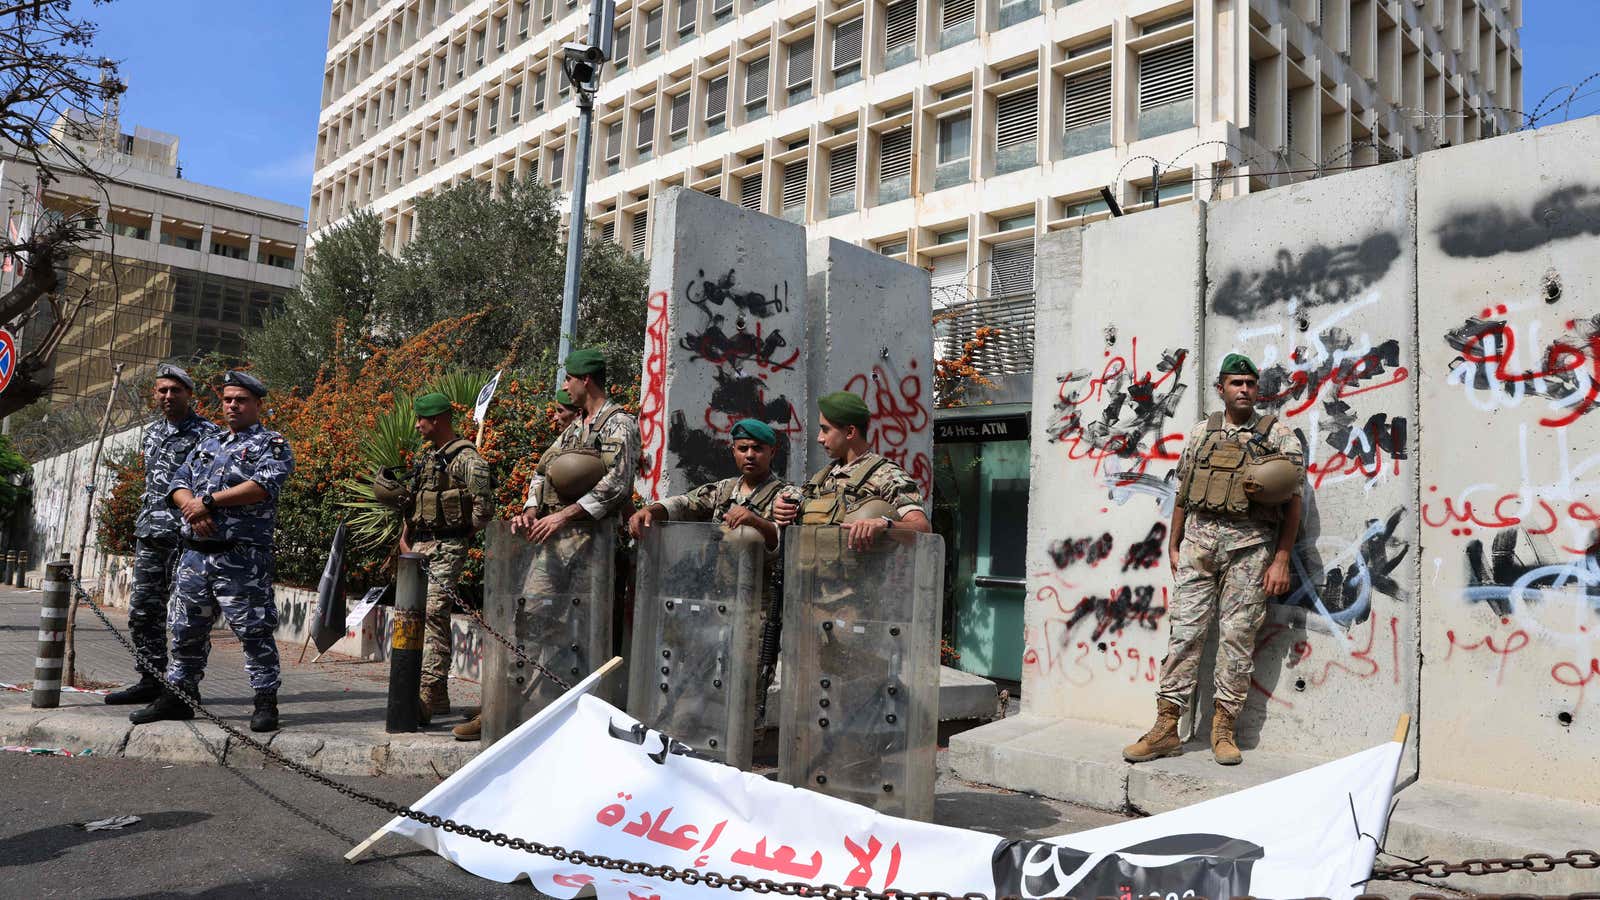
<point x="447" y="553"/>
<point x="1221" y="562"/>
<point x="710" y="502"/>
<point x="157" y="544"/>
<point x="889" y="483"/>
<point x="232" y="569"/>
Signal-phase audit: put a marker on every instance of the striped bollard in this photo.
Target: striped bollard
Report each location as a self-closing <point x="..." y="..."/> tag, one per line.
<point x="9" y="574"/>
<point x="52" y="636"/>
<point x="404" y="712"/>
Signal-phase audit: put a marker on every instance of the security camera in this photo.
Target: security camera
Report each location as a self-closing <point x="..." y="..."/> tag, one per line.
<point x="581" y="63"/>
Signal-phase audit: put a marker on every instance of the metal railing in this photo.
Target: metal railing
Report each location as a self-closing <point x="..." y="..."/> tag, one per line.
<point x="1008" y="350"/>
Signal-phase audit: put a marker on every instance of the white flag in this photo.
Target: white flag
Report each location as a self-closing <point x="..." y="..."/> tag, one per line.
<point x="485" y="397"/>
<point x="583" y="775"/>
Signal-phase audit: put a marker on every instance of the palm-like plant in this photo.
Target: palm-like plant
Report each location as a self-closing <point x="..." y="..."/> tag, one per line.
<point x="393" y="442"/>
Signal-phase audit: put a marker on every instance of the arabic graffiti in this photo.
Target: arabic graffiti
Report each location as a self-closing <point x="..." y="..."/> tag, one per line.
<point x="1087" y="549"/>
<point x="1340" y="588"/>
<point x="901" y="419"/>
<point x="1320" y="276"/>
<point x="1566" y="374"/>
<point x="1130" y="431"/>
<point x="653" y="397"/>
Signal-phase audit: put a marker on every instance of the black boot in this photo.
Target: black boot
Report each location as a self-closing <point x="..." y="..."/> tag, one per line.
<point x="147" y="689"/>
<point x="266" y="714"/>
<point x="168" y="706"/>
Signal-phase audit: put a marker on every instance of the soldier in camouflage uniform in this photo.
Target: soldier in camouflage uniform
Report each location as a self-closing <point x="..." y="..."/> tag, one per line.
<point x="604" y="431"/>
<point x="167" y="443"/>
<point x="1225" y="564"/>
<point x="227" y="492"/>
<point x="566" y="411"/>
<point x="451" y="500"/>
<point x="745" y="499"/>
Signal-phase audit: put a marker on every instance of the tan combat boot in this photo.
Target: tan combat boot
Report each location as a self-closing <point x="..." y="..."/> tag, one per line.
<point x="1162" y="738"/>
<point x="470" y="730"/>
<point x="435" y="699"/>
<point x="1223" y="748"/>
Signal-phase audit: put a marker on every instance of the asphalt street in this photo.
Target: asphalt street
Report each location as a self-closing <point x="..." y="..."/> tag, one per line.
<point x="211" y="831"/>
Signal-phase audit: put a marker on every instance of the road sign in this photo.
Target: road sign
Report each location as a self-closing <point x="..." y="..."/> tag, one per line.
<point x="8" y="358"/>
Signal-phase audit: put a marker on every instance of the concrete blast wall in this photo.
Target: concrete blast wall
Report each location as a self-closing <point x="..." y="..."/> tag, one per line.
<point x="1429" y="329"/>
<point x="60" y="503"/>
<point x="747" y="319"/>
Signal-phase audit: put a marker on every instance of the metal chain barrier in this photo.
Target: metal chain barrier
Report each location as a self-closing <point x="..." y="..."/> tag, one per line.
<point x="1534" y="862"/>
<point x="504" y="641"/>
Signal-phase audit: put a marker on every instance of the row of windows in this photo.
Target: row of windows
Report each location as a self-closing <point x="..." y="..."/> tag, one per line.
<point x="282" y="257"/>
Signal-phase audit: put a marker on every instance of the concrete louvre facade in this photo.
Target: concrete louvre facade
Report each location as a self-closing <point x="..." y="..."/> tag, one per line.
<point x="181" y="268"/>
<point x="946" y="133"/>
<point x="1449" y="564"/>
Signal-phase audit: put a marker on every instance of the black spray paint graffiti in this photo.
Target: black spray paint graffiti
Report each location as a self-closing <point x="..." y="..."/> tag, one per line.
<point x="1290" y="388"/>
<point x="1569" y="365"/>
<point x="1126" y="606"/>
<point x="1091" y="550"/>
<point x="1135" y="411"/>
<point x="766" y="350"/>
<point x="1494" y="578"/>
<point x="1380" y="437"/>
<point x="1322" y="275"/>
<point x="1340" y="589"/>
<point x="1565" y="212"/>
<point x="705" y="293"/>
<point x="1147" y="553"/>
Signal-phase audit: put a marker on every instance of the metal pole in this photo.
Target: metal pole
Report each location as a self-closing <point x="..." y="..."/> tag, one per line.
<point x="405" y="648"/>
<point x="88" y="516"/>
<point x="52" y="636"/>
<point x="580" y="192"/>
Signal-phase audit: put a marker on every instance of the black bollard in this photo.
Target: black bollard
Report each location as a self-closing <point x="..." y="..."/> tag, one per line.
<point x="405" y="647"/>
<point x="20" y="574"/>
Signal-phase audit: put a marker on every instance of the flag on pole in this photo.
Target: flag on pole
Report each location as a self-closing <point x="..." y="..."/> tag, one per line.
<point x="585" y="776"/>
<point x="330" y="626"/>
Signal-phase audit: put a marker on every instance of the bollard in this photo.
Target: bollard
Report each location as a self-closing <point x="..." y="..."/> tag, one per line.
<point x="52" y="636"/>
<point x="9" y="574"/>
<point x="20" y="576"/>
<point x="405" y="648"/>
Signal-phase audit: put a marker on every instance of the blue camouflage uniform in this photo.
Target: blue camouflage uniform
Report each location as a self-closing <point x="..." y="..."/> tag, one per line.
<point x="232" y="569"/>
<point x="157" y="544"/>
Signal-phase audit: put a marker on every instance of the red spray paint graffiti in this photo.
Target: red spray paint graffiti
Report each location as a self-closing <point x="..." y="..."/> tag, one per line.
<point x="900" y="416"/>
<point x="653" y="399"/>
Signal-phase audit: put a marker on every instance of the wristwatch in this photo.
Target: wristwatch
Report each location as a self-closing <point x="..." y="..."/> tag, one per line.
<point x="208" y="501"/>
<point x="888" y="521"/>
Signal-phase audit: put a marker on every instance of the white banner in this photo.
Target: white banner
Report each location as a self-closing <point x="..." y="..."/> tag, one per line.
<point x="485" y="397"/>
<point x="585" y="776"/>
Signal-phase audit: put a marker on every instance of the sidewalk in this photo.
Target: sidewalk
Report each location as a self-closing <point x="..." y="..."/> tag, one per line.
<point x="332" y="712"/>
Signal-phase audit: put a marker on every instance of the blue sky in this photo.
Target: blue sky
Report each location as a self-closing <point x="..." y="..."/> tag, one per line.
<point x="240" y="81"/>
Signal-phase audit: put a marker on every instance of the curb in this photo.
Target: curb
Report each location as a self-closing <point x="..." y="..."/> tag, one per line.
<point x="433" y="755"/>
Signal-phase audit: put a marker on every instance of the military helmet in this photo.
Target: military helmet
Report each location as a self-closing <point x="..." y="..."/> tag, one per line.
<point x="389" y="490"/>
<point x="1271" y="481"/>
<point x="575" y="473"/>
<point x="870" y="509"/>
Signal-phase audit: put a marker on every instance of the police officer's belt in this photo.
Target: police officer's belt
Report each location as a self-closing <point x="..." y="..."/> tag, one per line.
<point x="200" y="546"/>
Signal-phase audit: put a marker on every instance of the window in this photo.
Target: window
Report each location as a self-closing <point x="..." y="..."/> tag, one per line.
<point x="405" y="96"/>
<point x="173" y="239"/>
<point x="538" y="93"/>
<point x="794" y="191"/>
<point x="524" y="13"/>
<point x="1167" y="191"/>
<point x="1016" y="129"/>
<point x="124" y="229"/>
<point x="799" y="81"/>
<point x="515" y="113"/>
<point x="619" y="50"/>
<point x="614" y="147"/>
<point x="721" y="11"/>
<point x="472" y="127"/>
<point x="892" y="248"/>
<point x="1166" y="89"/>
<point x="958" y="22"/>
<point x="608" y="233"/>
<point x="1023" y="220"/>
<point x="422" y="83"/>
<point x="1011" y="269"/>
<point x="645" y="137"/>
<point x="1185" y="16"/>
<point x="641" y="223"/>
<point x="755" y="88"/>
<point x="231" y="251"/>
<point x="494" y="114"/>
<point x="716" y="105"/>
<point x="847" y="53"/>
<point x="1086" y="112"/>
<point x="899" y="33"/>
<point x="750" y="191"/>
<point x="547" y="11"/>
<point x="686" y="16"/>
<point x="500" y="34"/>
<point x="678" y="120"/>
<point x="558" y="167"/>
<point x="652" y="33"/>
<point x="949" y="281"/>
<point x="954" y="152"/>
<point x="894" y="166"/>
<point x="841" y="180"/>
<point x="461" y="60"/>
<point x="953" y="236"/>
<point x="450" y="138"/>
<point x="1014" y="11"/>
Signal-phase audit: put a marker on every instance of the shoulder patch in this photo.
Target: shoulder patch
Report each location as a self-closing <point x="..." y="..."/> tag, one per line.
<point x="278" y="447"/>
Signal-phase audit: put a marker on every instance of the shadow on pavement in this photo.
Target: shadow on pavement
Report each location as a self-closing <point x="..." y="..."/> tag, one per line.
<point x="49" y="842"/>
<point x="1003" y="814"/>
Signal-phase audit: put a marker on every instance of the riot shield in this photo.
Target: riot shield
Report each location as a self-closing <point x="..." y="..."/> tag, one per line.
<point x="554" y="601"/>
<point x="860" y="696"/>
<point x="697" y="611"/>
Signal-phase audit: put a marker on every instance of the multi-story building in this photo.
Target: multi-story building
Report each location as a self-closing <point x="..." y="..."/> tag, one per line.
<point x="180" y="269"/>
<point x="949" y="133"/>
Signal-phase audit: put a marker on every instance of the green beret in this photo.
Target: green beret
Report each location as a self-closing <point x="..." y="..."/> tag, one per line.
<point x="844" y="408"/>
<point x="755" y="430"/>
<point x="585" y="362"/>
<point x="434" y="404"/>
<point x="1237" y="364"/>
<point x="564" y="398"/>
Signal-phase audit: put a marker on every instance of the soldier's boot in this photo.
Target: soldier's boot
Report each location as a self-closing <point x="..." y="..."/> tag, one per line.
<point x="1223" y="748"/>
<point x="265" y="717"/>
<point x="470" y="730"/>
<point x="147" y="689"/>
<point x="167" y="707"/>
<point x="1162" y="738"/>
<point x="435" y="700"/>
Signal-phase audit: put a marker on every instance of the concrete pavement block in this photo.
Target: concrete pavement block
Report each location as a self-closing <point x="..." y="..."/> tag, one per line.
<point x="427" y="755"/>
<point x="349" y="756"/>
<point x="1164" y="785"/>
<point x="103" y="732"/>
<point x="1068" y="759"/>
<point x="964" y="696"/>
<point x="241" y="755"/>
<point x="188" y="743"/>
<point x="298" y="746"/>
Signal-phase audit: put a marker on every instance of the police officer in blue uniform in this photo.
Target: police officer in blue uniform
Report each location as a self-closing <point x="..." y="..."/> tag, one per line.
<point x="227" y="492"/>
<point x="168" y="440"/>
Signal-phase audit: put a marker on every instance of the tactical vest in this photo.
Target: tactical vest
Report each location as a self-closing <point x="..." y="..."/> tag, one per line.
<point x="442" y="503"/>
<point x="1218" y="469"/>
<point x="758" y="499"/>
<point x="605" y="451"/>
<point x="826" y="501"/>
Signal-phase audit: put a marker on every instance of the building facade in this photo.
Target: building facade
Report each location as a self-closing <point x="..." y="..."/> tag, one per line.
<point x="181" y="268"/>
<point x="949" y="133"/>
